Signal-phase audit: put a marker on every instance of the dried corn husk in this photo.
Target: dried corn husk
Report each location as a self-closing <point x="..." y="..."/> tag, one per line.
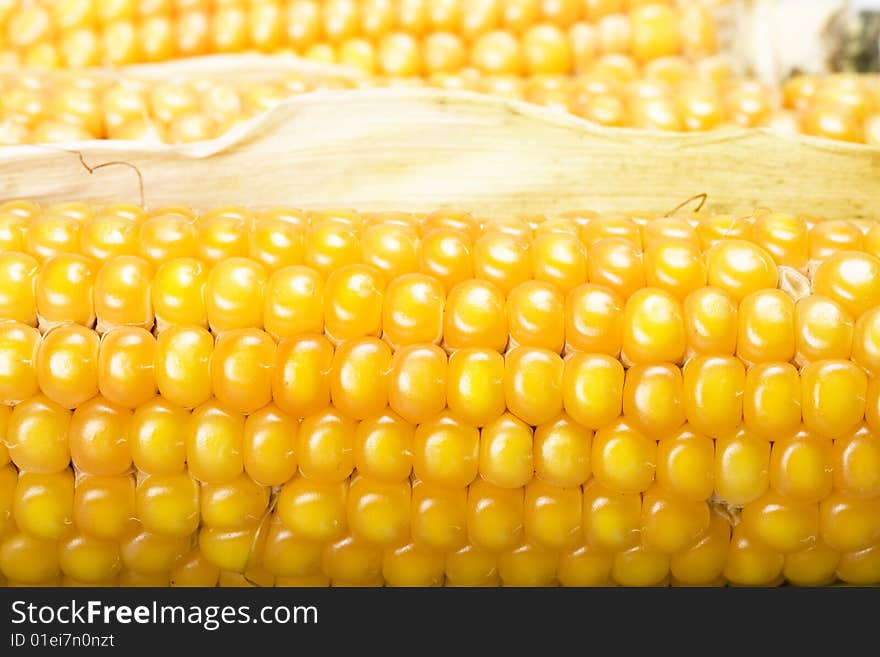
<point x="423" y="149"/>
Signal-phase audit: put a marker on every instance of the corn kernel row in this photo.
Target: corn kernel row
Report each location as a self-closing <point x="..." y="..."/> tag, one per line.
<point x="45" y="109"/>
<point x="668" y="94"/>
<point x="446" y="448"/>
<point x="394" y="37"/>
<point x="570" y="467"/>
<point x="844" y="107"/>
<point x="245" y="370"/>
<point x="171" y="529"/>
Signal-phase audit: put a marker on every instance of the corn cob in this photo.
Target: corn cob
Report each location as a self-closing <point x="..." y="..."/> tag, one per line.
<point x="312" y="398"/>
<point x="843" y="106"/>
<point x="392" y="37"/>
<point x="667" y="94"/>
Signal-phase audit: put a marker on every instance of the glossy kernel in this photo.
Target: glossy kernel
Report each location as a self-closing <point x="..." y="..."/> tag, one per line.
<point x="533" y="310"/>
<point x="856" y="463"/>
<point x="353" y="301"/>
<point x="475" y="316"/>
<point x="269" y="446"/>
<point x="125" y="366"/>
<point x="495" y="516"/>
<point x="593" y="389"/>
<point x="17" y="296"/>
<point x="359" y="379"/>
<point x="241" y="369"/>
<point x="711" y="321"/>
<point x="823" y="329"/>
<point x="418" y="382"/>
<point x="669" y="523"/>
<point x="713" y="391"/>
<point x="801" y="467"/>
<point x="653" y="399"/>
<point x="475" y="392"/>
<point x="313" y="511"/>
<point x="19" y="349"/>
<point x="122" y="292"/>
<point x="325" y="446"/>
<point x="63" y="290"/>
<point x="379" y="512"/>
<point x="594" y="320"/>
<point x="740" y="268"/>
<point x="772" y="400"/>
<point x="742" y="467"/>
<point x="834" y="393"/>
<point x="234" y="294"/>
<point x="675" y="266"/>
<point x="612" y="520"/>
<point x="36" y="435"/>
<point x="67" y="365"/>
<point x="178" y="292"/>
<point x="98" y="437"/>
<point x="653" y="328"/>
<point x="850" y="278"/>
<point x="214" y="443"/>
<point x="446" y="451"/>
<point x="766" y="327"/>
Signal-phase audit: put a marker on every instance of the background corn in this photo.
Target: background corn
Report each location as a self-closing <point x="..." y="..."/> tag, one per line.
<point x="311" y="398"/>
<point x="668" y="94"/>
<point x="391" y="37"/>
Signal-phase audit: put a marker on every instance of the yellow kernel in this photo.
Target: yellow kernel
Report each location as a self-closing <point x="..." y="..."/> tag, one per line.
<point x="19" y="348"/>
<point x="856" y="463"/>
<point x="300" y="377"/>
<point x="269" y="446"/>
<point x="834" y="393"/>
<point x="214" y="443"/>
<point x="742" y="465"/>
<point x="781" y="523"/>
<point x="653" y="327"/>
<point x="446" y="451"/>
<point x="740" y="268"/>
<point x="63" y="290"/>
<point x="495" y="516"/>
<point x="475" y="392"/>
<point x="653" y="399"/>
<point x="67" y="365"/>
<point x="623" y="459"/>
<point x="766" y="327"/>
<point x="98" y="437"/>
<point x="562" y="452"/>
<point x="168" y="505"/>
<point x="183" y="365"/>
<point x="850" y="278"/>
<point x="325" y="446"/>
<point x="379" y="512"/>
<point x="234" y="294"/>
<point x="801" y="467"/>
<point x="43" y="504"/>
<point x="178" y="292"/>
<point x="36" y="435"/>
<point x="17" y="299"/>
<point x="713" y="390"/>
<point x="593" y="389"/>
<point x="412" y="310"/>
<point x="439" y="516"/>
<point x="711" y="323"/>
<point x="313" y="511"/>
<point x="671" y="524"/>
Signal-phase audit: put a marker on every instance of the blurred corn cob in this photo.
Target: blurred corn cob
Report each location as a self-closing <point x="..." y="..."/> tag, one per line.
<point x="363" y="399"/>
<point x="389" y="37"/>
<point x="667" y="94"/>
